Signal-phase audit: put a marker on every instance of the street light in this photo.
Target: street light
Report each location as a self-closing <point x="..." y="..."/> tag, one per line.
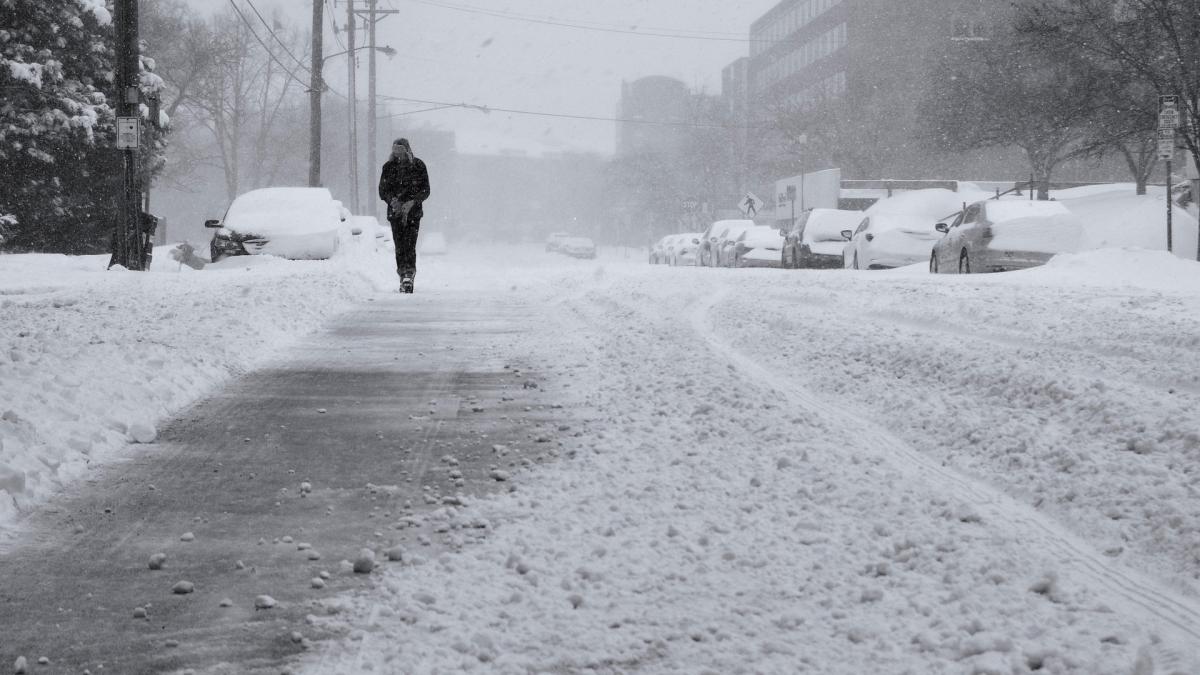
<point x="388" y="51"/>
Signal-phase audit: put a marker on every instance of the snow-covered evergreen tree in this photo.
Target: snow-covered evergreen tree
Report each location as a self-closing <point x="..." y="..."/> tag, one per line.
<point x="59" y="168"/>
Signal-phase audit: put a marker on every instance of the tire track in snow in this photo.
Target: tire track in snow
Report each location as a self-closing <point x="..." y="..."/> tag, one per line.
<point x="1151" y="602"/>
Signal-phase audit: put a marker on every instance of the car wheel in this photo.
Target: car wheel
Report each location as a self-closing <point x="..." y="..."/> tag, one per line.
<point x="933" y="266"/>
<point x="964" y="263"/>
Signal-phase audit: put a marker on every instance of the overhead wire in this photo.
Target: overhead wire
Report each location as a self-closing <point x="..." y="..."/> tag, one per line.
<point x="609" y="28"/>
<point x="489" y="109"/>
<point x="270" y="53"/>
<point x="276" y="36"/>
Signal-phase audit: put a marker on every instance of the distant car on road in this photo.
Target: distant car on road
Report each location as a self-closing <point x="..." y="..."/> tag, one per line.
<point x="554" y="241"/>
<point x="299" y="223"/>
<point x="757" y="246"/>
<point x="886" y="240"/>
<point x="1003" y="235"/>
<point x="816" y="241"/>
<point x="578" y="247"/>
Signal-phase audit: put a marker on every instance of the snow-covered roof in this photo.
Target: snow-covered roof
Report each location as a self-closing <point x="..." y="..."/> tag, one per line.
<point x="999" y="211"/>
<point x="827" y="224"/>
<point x="761" y="236"/>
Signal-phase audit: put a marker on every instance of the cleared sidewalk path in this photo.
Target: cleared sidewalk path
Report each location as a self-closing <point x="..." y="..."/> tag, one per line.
<point x="392" y="411"/>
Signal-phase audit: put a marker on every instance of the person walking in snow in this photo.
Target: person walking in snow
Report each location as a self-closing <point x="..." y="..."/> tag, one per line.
<point x="404" y="185"/>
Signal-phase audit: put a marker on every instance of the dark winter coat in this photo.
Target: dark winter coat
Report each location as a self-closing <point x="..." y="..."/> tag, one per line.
<point x="405" y="181"/>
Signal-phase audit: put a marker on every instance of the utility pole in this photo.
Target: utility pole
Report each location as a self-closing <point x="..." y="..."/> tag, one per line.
<point x="315" y="85"/>
<point x="351" y="19"/>
<point x="373" y="16"/>
<point x="129" y="249"/>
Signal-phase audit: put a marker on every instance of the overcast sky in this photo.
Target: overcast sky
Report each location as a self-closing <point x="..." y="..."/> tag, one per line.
<point x="481" y="56"/>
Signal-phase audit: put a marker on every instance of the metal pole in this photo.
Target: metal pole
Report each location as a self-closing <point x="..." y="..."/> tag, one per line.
<point x="1170" y="248"/>
<point x="129" y="250"/>
<point x="315" y="85"/>
<point x="371" y="140"/>
<point x="353" y="126"/>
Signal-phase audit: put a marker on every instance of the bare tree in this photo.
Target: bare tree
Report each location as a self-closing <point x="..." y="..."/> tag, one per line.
<point x="1152" y="42"/>
<point x="1001" y="93"/>
<point x="235" y="80"/>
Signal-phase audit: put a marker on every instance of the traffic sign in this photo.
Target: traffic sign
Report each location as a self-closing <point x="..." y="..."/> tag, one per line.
<point x="690" y="204"/>
<point x="1168" y="101"/>
<point x="1168" y="118"/>
<point x="750" y="204"/>
<point x="1166" y="145"/>
<point x="128" y="132"/>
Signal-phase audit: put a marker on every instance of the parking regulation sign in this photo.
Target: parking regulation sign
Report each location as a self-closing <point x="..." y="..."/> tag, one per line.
<point x="128" y="132"/>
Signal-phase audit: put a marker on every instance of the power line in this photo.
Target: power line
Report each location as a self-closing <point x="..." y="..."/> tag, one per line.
<point x="274" y="35"/>
<point x="654" y="32"/>
<point x="333" y="24"/>
<point x="270" y="53"/>
<point x="488" y="109"/>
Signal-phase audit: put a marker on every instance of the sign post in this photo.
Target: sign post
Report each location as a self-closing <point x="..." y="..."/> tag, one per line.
<point x="1168" y="122"/>
<point x="791" y="195"/>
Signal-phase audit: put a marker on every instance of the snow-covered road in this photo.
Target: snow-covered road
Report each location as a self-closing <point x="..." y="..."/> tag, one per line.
<point x="838" y="472"/>
<point x="760" y="471"/>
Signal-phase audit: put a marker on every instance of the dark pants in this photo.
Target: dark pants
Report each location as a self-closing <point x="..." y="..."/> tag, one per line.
<point x="404" y="236"/>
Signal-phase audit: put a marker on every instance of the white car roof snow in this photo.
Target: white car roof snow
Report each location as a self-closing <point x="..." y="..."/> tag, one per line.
<point x="283" y="211"/>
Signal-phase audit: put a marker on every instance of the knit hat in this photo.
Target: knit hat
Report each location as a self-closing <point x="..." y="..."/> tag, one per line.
<point x="404" y="142"/>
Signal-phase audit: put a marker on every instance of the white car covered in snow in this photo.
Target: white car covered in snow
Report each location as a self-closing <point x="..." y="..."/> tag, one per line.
<point x="299" y="223"/>
<point x="758" y="246"/>
<point x="886" y="240"/>
<point x="1003" y="235"/>
<point x="684" y="249"/>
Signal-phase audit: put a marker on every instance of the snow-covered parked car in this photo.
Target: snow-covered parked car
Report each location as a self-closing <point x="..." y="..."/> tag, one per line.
<point x="758" y="246"/>
<point x="578" y="247"/>
<point x="886" y="240"/>
<point x="370" y="229"/>
<point x="299" y="223"/>
<point x="683" y="250"/>
<point x="816" y="241"/>
<point x="723" y="247"/>
<point x="710" y="241"/>
<point x="1002" y="235"/>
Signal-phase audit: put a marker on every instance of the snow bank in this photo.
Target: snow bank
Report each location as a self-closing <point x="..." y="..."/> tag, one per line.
<point x="92" y="360"/>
